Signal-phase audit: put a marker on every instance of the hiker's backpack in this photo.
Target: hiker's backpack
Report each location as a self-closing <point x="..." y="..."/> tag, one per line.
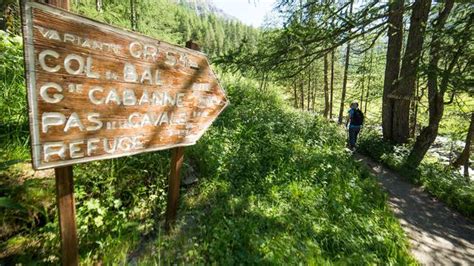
<point x="357" y="118"/>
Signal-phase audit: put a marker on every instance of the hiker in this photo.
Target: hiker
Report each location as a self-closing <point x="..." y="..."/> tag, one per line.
<point x="354" y="123"/>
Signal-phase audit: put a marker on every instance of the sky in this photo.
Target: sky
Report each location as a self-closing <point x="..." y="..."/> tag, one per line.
<point x="250" y="12"/>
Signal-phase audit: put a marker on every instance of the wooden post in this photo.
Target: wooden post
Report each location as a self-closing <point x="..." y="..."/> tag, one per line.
<point x="67" y="215"/>
<point x="65" y="198"/>
<point x="64" y="4"/>
<point x="177" y="158"/>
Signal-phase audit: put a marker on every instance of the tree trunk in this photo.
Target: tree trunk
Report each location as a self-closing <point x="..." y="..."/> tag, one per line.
<point x="326" y="89"/>
<point x="368" y="81"/>
<point x="463" y="158"/>
<point x="392" y="65"/>
<point x="314" y="80"/>
<point x="311" y="89"/>
<point x="332" y="85"/>
<point x="362" y="86"/>
<point x="344" y="80"/>
<point x="405" y="88"/>
<point x="98" y="6"/>
<point x="435" y="92"/>
<point x="302" y="93"/>
<point x="308" y="100"/>
<point x="133" y="15"/>
<point x="295" y="92"/>
<point x="414" y="107"/>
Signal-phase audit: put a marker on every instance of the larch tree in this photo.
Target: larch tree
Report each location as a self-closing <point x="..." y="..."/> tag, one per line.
<point x="331" y="94"/>
<point x="326" y="87"/>
<point x="346" y="73"/>
<point x="444" y="57"/>
<point x="392" y="66"/>
<point x="463" y="158"/>
<point x="404" y="89"/>
<point x="133" y="15"/>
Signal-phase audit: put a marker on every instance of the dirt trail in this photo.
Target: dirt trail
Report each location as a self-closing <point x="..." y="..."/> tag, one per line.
<point x="437" y="234"/>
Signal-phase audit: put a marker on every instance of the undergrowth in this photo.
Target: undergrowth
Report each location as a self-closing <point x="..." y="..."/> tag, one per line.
<point x="279" y="189"/>
<point x="276" y="187"/>
<point x="437" y="179"/>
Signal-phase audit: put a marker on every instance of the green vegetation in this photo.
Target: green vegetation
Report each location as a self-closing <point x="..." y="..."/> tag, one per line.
<point x="276" y="186"/>
<point x="176" y="23"/>
<point x="281" y="189"/>
<point x="13" y="121"/>
<point x="440" y="181"/>
<point x="275" y="183"/>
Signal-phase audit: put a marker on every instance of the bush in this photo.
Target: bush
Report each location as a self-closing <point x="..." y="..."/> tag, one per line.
<point x="372" y="144"/>
<point x="13" y="119"/>
<point x="449" y="186"/>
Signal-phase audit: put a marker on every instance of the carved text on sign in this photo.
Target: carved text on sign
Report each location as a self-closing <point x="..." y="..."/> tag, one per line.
<point x="99" y="92"/>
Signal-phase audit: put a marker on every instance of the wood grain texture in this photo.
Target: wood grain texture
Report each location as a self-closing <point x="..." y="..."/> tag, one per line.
<point x="177" y="158"/>
<point x="67" y="215"/>
<point x="147" y="94"/>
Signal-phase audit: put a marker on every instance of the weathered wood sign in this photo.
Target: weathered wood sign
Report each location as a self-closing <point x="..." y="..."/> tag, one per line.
<point x="98" y="92"/>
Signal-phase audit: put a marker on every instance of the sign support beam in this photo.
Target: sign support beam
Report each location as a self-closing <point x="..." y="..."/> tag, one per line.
<point x="67" y="215"/>
<point x="177" y="158"/>
<point x="65" y="198"/>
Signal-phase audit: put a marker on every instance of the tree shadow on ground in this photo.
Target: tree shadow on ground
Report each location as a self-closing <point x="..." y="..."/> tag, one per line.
<point x="437" y="233"/>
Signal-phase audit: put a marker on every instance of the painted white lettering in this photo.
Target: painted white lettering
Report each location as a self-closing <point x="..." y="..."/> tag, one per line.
<point x="125" y="144"/>
<point x="51" y="119"/>
<point x="158" y="78"/>
<point x="138" y="142"/>
<point x="112" y="96"/>
<point x="54" y="35"/>
<point x="92" y="98"/>
<point x="150" y="51"/>
<point x="129" y="97"/>
<point x="168" y="99"/>
<point x="68" y="38"/>
<point x="53" y="148"/>
<point x="170" y="59"/>
<point x="156" y="99"/>
<point x="179" y="99"/>
<point x="92" y="145"/>
<point x="110" y="148"/>
<point x="145" y="98"/>
<point x="74" y="121"/>
<point x="42" y="60"/>
<point x="68" y="62"/>
<point x="43" y="31"/>
<point x="164" y="118"/>
<point x="94" y="118"/>
<point x="57" y="97"/>
<point x="146" y="75"/>
<point x="146" y="121"/>
<point x="89" y="72"/>
<point x="86" y="43"/>
<point x="130" y="73"/>
<point x="135" y="49"/>
<point x="75" y="150"/>
<point x="131" y="120"/>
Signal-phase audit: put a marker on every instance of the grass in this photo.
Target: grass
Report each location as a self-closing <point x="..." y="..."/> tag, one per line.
<point x="276" y="187"/>
<point x="279" y="189"/>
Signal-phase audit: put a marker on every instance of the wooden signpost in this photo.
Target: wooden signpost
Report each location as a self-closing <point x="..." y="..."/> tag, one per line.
<point x="98" y="92"/>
